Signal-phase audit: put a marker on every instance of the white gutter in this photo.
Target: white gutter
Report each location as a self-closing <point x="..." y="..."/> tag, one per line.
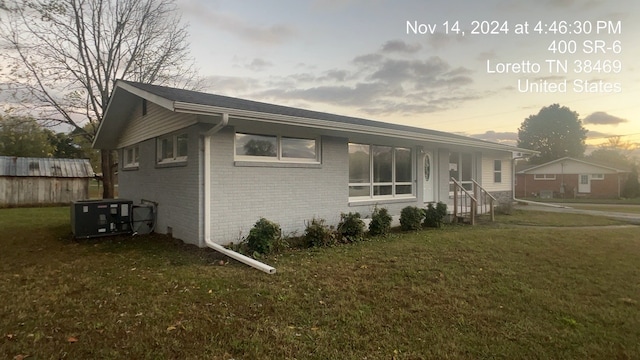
<point x="207" y="204"/>
<point x="191" y="108"/>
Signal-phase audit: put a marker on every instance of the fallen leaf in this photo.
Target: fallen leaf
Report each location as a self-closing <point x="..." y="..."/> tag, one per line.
<point x="72" y="339"/>
<point x="10" y="336"/>
<point x="20" y="357"/>
<point x="171" y="328"/>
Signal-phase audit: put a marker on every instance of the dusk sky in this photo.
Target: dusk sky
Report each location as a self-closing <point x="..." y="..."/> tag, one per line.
<point x="364" y="59"/>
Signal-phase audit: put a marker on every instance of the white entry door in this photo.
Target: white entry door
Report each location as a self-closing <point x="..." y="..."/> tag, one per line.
<point x="428" y="191"/>
<point x="584" y="185"/>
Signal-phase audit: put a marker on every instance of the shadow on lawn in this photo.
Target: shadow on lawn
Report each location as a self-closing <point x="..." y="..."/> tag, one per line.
<point x="174" y="251"/>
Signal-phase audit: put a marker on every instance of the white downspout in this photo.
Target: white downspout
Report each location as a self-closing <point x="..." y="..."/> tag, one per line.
<point x="207" y="205"/>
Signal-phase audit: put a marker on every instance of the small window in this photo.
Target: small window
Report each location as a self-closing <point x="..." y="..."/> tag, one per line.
<point x="597" y="176"/>
<point x="497" y="171"/>
<point x="173" y="148"/>
<point x="275" y="148"/>
<point x="544" y="177"/>
<point x="131" y="157"/>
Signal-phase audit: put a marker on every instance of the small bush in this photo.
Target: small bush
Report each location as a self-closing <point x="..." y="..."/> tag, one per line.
<point x="263" y="236"/>
<point x="351" y="227"/>
<point x="434" y="215"/>
<point x="380" y="222"/>
<point x="317" y="233"/>
<point x="504" y="208"/>
<point x="411" y="218"/>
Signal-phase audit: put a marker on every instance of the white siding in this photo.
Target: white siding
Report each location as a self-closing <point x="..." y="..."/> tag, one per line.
<point x="487" y="179"/>
<point x="156" y="122"/>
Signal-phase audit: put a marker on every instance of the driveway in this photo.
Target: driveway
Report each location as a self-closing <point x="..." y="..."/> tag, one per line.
<point x="566" y="208"/>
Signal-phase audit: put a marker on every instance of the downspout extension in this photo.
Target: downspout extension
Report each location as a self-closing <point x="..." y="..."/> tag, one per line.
<point x="207" y="205"/>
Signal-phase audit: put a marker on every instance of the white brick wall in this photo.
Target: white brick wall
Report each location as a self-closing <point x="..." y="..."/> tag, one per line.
<point x="176" y="189"/>
<point x="285" y="195"/>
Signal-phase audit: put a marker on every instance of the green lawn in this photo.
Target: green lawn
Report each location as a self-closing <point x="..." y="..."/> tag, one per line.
<point x="484" y="292"/>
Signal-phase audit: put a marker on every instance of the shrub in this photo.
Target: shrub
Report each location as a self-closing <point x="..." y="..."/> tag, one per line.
<point x="411" y="218"/>
<point x="351" y="227"/>
<point x="504" y="208"/>
<point x="380" y="222"/>
<point x="319" y="234"/>
<point x="263" y="236"/>
<point x="434" y="215"/>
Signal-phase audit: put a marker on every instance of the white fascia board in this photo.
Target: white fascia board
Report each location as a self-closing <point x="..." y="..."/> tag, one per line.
<point x="159" y="100"/>
<point x="331" y="125"/>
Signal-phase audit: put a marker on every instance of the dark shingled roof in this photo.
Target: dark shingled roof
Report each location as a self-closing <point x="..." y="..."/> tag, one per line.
<point x="195" y="97"/>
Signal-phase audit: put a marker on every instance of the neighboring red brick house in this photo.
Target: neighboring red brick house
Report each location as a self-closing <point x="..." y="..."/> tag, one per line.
<point x="569" y="178"/>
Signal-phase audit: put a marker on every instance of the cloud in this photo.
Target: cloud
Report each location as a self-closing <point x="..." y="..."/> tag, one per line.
<point x="602" y="118"/>
<point x="399" y="46"/>
<point x="230" y="84"/>
<point x="257" y="33"/>
<point x="259" y="65"/>
<point x="505" y="137"/>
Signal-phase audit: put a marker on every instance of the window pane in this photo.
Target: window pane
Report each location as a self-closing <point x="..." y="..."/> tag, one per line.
<point x="256" y="145"/>
<point x="129" y="158"/>
<point x="403" y="165"/>
<point x="359" y="164"/>
<point x="497" y="177"/>
<point x="359" y="191"/>
<point x="382" y="170"/>
<point x="497" y="165"/>
<point x="466" y="167"/>
<point x="136" y="154"/>
<point x="298" y="148"/>
<point x="182" y="141"/>
<point x="382" y="190"/>
<point x="453" y="165"/>
<point x="403" y="189"/>
<point x="167" y="148"/>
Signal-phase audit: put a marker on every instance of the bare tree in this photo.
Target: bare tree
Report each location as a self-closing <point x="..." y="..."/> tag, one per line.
<point x="62" y="57"/>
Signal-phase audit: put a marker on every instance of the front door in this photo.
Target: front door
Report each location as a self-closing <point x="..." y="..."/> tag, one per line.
<point x="428" y="191"/>
<point x="584" y="185"/>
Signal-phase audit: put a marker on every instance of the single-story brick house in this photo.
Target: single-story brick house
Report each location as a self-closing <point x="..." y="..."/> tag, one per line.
<point x="569" y="178"/>
<point x="216" y="164"/>
<point x="29" y="181"/>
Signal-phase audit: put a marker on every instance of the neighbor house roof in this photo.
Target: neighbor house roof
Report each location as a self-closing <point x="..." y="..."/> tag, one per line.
<point x="526" y="169"/>
<point x="45" y="167"/>
<point x="186" y="101"/>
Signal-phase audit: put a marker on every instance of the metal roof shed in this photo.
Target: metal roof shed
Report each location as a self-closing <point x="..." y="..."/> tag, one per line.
<point x="26" y="181"/>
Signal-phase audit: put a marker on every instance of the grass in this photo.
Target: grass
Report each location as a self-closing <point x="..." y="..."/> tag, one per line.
<point x="456" y="293"/>
<point x="543" y="218"/>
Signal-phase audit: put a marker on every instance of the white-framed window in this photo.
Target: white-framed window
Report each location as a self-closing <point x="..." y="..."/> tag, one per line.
<point x="497" y="171"/>
<point x="544" y="176"/>
<point x="172" y="148"/>
<point x="377" y="171"/>
<point x="131" y="157"/>
<point x="597" y="176"/>
<point x="276" y="148"/>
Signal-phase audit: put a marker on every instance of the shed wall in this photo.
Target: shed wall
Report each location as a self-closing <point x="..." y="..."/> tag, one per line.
<point x="25" y="191"/>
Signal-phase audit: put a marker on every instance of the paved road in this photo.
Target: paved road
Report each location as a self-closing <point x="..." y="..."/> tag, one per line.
<point x="628" y="217"/>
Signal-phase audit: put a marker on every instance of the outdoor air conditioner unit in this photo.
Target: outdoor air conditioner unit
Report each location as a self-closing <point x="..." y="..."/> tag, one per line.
<point x="93" y="218"/>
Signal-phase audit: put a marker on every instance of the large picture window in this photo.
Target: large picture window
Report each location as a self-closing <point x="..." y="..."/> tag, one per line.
<point x="275" y="148"/>
<point x="172" y="148"/>
<point x="379" y="171"/>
